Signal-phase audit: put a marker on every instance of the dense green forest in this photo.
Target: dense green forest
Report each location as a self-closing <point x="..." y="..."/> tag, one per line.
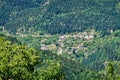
<point x="59" y="16"/>
<point x="59" y="40"/>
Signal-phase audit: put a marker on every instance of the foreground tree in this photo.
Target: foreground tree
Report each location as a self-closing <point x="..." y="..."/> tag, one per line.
<point x="17" y="62"/>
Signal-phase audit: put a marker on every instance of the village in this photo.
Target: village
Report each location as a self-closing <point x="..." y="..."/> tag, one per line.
<point x="68" y="43"/>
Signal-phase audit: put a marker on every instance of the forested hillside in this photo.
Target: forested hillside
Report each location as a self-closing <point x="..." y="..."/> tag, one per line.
<point x="59" y="16"/>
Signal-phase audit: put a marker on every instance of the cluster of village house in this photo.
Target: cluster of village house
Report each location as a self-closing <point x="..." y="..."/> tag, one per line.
<point x="60" y="41"/>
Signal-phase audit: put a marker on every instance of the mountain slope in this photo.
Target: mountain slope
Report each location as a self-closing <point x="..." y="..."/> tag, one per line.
<point x="59" y="16"/>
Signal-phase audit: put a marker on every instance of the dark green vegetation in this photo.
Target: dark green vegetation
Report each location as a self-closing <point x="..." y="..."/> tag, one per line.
<point x="59" y="40"/>
<point x="59" y="16"/>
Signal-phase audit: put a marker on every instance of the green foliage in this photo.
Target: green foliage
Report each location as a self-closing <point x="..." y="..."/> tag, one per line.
<point x="50" y="71"/>
<point x="102" y="50"/>
<point x="17" y="62"/>
<point x="110" y="71"/>
<point x="59" y="16"/>
<point x="116" y="33"/>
